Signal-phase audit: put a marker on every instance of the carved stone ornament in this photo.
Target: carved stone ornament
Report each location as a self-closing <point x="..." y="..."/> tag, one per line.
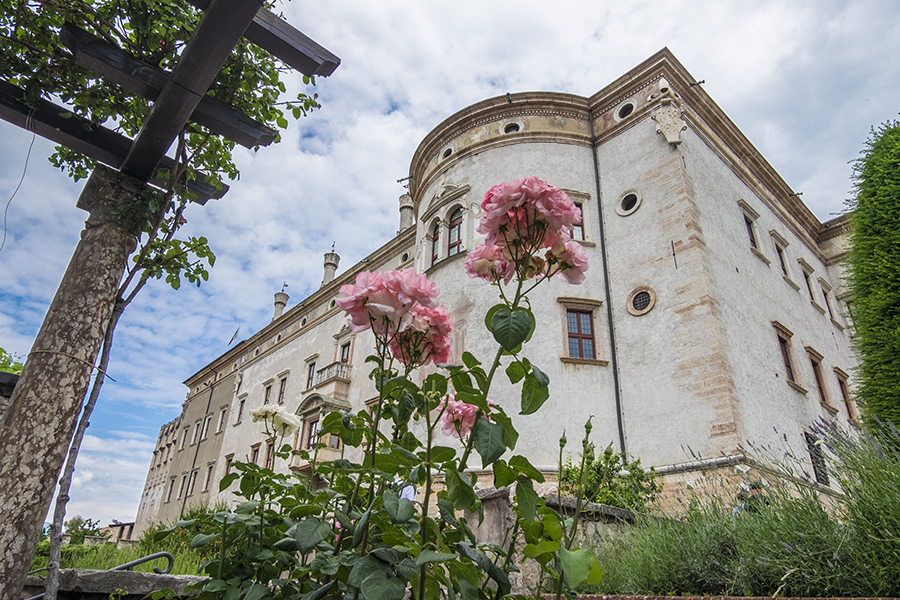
<point x="669" y="121"/>
<point x="445" y="194"/>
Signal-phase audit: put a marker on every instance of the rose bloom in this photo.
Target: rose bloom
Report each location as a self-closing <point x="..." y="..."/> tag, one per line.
<point x="459" y="417"/>
<point x="285" y="423"/>
<point x="489" y="263"/>
<point x="525" y="208"/>
<point x="571" y="260"/>
<point x="424" y="338"/>
<point x="263" y="413"/>
<point x="382" y="300"/>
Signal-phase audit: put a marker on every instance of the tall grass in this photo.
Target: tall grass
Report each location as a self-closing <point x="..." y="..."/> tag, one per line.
<point x="793" y="546"/>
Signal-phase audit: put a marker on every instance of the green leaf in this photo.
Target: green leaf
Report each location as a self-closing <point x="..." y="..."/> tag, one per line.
<point x="511" y="327"/>
<point x="435" y="383"/>
<point x="521" y="464"/>
<point x="361" y="526"/>
<point x="318" y="593"/>
<point x="503" y="475"/>
<point x="510" y="435"/>
<point x="227" y="481"/>
<point x="430" y="556"/>
<point x="401" y="510"/>
<point x="304" y="536"/>
<point x="381" y="585"/>
<point x="596" y="575"/>
<point x="533" y="395"/>
<point x="364" y="567"/>
<point x="542" y="378"/>
<point x="202" y="539"/>
<point x="515" y="371"/>
<point x="526" y="497"/>
<point x="577" y="565"/>
<point x="488" y="441"/>
<point x="216" y="585"/>
<point x="459" y="489"/>
<point x="256" y="591"/>
<point x="535" y="550"/>
<point x="490" y="315"/>
<point x="388" y="555"/>
<point x="441" y="454"/>
<point x="470" y="361"/>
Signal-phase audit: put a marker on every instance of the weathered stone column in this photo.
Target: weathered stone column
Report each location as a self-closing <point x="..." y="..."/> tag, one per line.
<point x="36" y="428"/>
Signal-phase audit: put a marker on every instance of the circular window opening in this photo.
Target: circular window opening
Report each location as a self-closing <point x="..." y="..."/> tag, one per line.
<point x="626" y="110"/>
<point x="256" y="352"/>
<point x="278" y="339"/>
<point x="405" y="257"/>
<point x="332" y="304"/>
<point x="629" y="201"/>
<point x="511" y="128"/>
<point x="447" y="153"/>
<point x="641" y="300"/>
<point x="303" y="322"/>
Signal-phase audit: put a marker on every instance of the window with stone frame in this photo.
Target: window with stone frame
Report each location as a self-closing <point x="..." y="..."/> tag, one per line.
<point x="815" y="361"/>
<point x="223" y="417"/>
<point x="310" y="374"/>
<point x="312" y="433"/>
<point x="270" y="454"/>
<point x="435" y="242"/>
<point x="184" y="479"/>
<point x="171" y="489"/>
<point x="844" y="388"/>
<point x="786" y="354"/>
<point x="184" y="435"/>
<point x="750" y="217"/>
<point x="817" y="457"/>
<point x="268" y="394"/>
<point x="192" y="482"/>
<point x="579" y="330"/>
<point x="204" y="433"/>
<point x="254" y="453"/>
<point x="240" y="411"/>
<point x="454" y="233"/>
<point x="345" y="352"/>
<point x="577" y="232"/>
<point x="196" y="435"/>
<point x="229" y="458"/>
<point x="282" y="385"/>
<point x="208" y="479"/>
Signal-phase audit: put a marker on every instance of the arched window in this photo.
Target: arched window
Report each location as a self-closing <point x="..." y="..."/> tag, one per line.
<point x="435" y="243"/>
<point x="454" y="238"/>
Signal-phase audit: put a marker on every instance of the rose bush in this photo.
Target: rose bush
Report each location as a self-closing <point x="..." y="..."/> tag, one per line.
<point x="342" y="529"/>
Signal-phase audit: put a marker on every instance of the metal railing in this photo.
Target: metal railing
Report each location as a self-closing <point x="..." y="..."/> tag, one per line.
<point x="127" y="567"/>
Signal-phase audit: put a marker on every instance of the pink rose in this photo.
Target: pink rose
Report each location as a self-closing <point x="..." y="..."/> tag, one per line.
<point x="382" y="300"/>
<point x="424" y="338"/>
<point x="489" y="263"/>
<point x="571" y="261"/>
<point x="458" y="418"/>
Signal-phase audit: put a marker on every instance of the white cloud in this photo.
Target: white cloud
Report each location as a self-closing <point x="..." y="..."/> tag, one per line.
<point x="805" y="81"/>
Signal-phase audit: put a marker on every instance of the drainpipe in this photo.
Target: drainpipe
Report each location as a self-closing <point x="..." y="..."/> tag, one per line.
<point x="614" y="362"/>
<point x="199" y="441"/>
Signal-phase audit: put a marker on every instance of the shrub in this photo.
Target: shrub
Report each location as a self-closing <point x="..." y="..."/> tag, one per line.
<point x="612" y="480"/>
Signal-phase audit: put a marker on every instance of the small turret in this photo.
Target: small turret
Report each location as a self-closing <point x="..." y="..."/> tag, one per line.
<point x="332" y="259"/>
<point x="406" y="212"/>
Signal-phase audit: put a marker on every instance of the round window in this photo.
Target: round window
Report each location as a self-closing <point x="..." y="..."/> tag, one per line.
<point x="405" y="257"/>
<point x="511" y="128"/>
<point x="641" y="300"/>
<point x="332" y="304"/>
<point x="629" y="202"/>
<point x="303" y="322"/>
<point x="625" y="109"/>
<point x="447" y="153"/>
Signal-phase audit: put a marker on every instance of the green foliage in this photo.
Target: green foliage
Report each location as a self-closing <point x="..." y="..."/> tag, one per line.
<point x="9" y="363"/>
<point x="800" y="544"/>
<point x="874" y="274"/>
<point x="612" y="480"/>
<point x="78" y="527"/>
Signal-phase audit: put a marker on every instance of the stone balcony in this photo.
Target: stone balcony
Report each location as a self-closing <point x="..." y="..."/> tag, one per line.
<point x="334" y="380"/>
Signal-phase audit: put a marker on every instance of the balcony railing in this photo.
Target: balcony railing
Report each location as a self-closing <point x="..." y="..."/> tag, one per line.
<point x="336" y="370"/>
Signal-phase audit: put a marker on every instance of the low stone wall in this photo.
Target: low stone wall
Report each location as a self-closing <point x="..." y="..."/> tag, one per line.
<point x="83" y="584"/>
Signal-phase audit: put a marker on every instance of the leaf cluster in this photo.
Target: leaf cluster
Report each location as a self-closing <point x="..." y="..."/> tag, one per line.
<point x="612" y="479"/>
<point x="9" y="363"/>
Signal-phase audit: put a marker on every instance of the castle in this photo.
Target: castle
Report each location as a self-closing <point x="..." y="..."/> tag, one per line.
<point x="712" y="314"/>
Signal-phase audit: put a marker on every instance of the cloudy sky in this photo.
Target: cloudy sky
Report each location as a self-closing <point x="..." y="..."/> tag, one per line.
<point x="805" y="81"/>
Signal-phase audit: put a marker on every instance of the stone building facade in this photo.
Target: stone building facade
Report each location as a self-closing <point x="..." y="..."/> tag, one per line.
<point x="712" y="315"/>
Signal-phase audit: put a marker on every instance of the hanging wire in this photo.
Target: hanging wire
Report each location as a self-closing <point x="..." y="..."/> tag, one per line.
<point x="28" y="125"/>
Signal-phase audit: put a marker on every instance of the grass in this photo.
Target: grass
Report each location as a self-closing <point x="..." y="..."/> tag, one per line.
<point x="793" y="546"/>
<point x="108" y="556"/>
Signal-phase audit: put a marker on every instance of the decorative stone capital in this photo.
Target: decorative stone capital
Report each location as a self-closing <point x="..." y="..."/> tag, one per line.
<point x="669" y="120"/>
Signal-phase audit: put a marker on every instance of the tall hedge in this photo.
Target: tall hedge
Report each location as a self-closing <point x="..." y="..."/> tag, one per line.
<point x="875" y="275"/>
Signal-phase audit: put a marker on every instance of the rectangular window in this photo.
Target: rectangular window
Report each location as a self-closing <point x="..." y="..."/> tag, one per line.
<point x="580" y="333"/>
<point x="310" y="375"/>
<point x="816" y="362"/>
<point x="192" y="483"/>
<point x="268" y="395"/>
<point x="205" y="431"/>
<point x="312" y="433"/>
<point x="281" y="388"/>
<point x="196" y="434"/>
<point x="455" y="233"/>
<point x="254" y="453"/>
<point x="182" y="486"/>
<point x="578" y="228"/>
<point x="345" y="353"/>
<point x="750" y="233"/>
<point x="812" y="296"/>
<point x="780" y="252"/>
<point x="845" y="395"/>
<point x="184" y="435"/>
<point x="228" y="460"/>
<point x="171" y="490"/>
<point x="334" y="441"/>
<point x="817" y="456"/>
<point x="435" y="243"/>
<point x="222" y="418"/>
<point x="240" y="412"/>
<point x="270" y="454"/>
<point x="785" y="347"/>
<point x="208" y="479"/>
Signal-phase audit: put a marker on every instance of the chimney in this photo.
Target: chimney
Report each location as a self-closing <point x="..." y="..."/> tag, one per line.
<point x="280" y="302"/>
<point x="331" y="264"/>
<point x="406" y="212"/>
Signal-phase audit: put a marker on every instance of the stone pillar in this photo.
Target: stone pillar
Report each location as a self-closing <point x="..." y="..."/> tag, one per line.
<point x="36" y="429"/>
<point x="280" y="302"/>
<point x="331" y="264"/>
<point x="407" y="215"/>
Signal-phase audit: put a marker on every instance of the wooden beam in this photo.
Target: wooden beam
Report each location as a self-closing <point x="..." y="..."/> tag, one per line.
<point x="222" y="25"/>
<point x="66" y="128"/>
<point x="291" y="46"/>
<point x="117" y="66"/>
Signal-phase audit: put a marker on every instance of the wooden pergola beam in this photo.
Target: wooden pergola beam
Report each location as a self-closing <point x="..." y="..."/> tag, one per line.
<point x="283" y="41"/>
<point x="222" y="25"/>
<point x="117" y="66"/>
<point x="66" y="128"/>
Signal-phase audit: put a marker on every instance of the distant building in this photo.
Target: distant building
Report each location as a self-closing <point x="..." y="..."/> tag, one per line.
<point x="713" y="313"/>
